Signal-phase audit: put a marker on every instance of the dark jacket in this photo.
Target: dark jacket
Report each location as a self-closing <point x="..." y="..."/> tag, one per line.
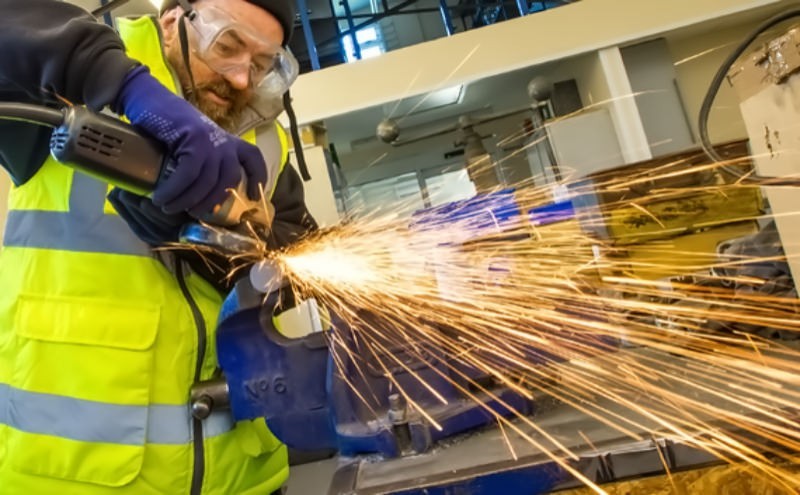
<point x="55" y="52"/>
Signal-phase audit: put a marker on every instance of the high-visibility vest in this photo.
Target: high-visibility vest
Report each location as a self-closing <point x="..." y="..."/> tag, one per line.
<point x="100" y="343"/>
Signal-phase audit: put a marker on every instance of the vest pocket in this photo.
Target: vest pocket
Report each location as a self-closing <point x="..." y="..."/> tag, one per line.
<point x="80" y="388"/>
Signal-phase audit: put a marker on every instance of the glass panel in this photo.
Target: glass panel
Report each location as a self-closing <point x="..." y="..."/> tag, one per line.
<point x="449" y="185"/>
<point x="371" y="52"/>
<point x="367" y="34"/>
<point x="400" y="194"/>
<point x="347" y="45"/>
<point x="369" y="43"/>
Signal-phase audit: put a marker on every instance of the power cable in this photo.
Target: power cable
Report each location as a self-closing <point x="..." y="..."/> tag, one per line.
<point x="33" y="114"/>
<point x="108" y="7"/>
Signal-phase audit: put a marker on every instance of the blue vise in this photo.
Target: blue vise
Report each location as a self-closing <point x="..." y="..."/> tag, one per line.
<point x="321" y="393"/>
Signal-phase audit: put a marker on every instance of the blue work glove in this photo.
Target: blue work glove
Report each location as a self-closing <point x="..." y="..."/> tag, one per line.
<point x="207" y="160"/>
<point x="145" y="219"/>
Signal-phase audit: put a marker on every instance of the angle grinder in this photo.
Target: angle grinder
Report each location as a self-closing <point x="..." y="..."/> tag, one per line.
<point x="115" y="152"/>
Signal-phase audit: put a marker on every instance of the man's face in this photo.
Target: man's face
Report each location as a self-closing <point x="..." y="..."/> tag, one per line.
<point x="221" y="96"/>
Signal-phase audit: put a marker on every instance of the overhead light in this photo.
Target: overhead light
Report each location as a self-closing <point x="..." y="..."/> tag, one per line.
<point x="434" y="99"/>
<point x="157" y="3"/>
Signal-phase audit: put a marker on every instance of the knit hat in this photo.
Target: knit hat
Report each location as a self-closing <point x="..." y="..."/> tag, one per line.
<point x="282" y="10"/>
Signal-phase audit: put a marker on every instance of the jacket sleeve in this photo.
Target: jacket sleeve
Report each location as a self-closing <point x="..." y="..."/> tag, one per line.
<point x="292" y="218"/>
<point x="52" y="51"/>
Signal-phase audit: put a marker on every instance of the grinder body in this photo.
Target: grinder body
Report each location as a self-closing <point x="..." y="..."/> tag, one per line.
<point x="115" y="152"/>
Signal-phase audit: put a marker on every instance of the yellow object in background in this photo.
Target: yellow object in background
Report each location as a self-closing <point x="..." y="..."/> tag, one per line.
<point x="637" y="223"/>
<point x="688" y="253"/>
<point x="717" y="480"/>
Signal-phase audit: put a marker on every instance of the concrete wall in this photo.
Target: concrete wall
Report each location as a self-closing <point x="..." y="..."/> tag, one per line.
<point x="588" y="73"/>
<point x="696" y="61"/>
<point x="318" y="191"/>
<point x="432" y="23"/>
<point x="651" y="72"/>
<point x="401" y="30"/>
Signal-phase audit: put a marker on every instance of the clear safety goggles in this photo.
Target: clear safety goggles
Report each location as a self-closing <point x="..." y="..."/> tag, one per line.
<point x="228" y="47"/>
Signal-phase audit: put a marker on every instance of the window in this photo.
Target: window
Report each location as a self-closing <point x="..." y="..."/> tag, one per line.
<point x="448" y="185"/>
<point x="400" y="194"/>
<point x="369" y="43"/>
<point x="406" y="193"/>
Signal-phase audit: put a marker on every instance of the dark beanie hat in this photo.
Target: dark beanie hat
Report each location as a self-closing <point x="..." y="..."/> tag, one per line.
<point x="283" y="10"/>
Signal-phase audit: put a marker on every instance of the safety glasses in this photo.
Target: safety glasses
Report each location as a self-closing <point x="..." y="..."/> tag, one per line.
<point x="228" y="47"/>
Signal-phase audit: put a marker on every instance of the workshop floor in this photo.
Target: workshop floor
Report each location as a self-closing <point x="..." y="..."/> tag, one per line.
<point x="717" y="480"/>
<point x="487" y="451"/>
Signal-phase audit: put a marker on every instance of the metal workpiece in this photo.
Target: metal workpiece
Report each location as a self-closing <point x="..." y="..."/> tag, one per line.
<point x="398" y="410"/>
<point x="219" y="239"/>
<point x="209" y="396"/>
<point x="398" y="417"/>
<point x="266" y="276"/>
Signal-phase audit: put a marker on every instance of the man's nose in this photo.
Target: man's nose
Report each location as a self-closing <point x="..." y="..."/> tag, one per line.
<point x="238" y="78"/>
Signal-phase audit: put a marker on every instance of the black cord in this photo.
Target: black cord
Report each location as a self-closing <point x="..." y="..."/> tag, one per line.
<point x="108" y="7"/>
<point x="33" y="114"/>
<point x="298" y="144"/>
<point x="183" y="37"/>
<point x="711" y="94"/>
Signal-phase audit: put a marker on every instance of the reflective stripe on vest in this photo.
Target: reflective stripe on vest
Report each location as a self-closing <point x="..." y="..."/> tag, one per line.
<point x="94" y="230"/>
<point x="55" y="415"/>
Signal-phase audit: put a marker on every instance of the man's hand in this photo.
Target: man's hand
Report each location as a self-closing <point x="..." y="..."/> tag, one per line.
<point x="207" y="160"/>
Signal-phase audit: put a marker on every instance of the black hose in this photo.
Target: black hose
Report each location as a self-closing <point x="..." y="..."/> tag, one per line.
<point x="34" y="114"/>
<point x="711" y="94"/>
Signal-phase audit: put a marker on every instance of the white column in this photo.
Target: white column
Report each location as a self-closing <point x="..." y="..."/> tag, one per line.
<point x="624" y="111"/>
<point x="320" y="198"/>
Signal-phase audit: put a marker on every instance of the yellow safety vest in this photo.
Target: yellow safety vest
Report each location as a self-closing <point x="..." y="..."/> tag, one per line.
<point x="100" y="344"/>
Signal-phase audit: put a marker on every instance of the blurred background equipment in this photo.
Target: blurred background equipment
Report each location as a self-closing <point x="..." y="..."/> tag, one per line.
<point x="767" y="81"/>
<point x="479" y="164"/>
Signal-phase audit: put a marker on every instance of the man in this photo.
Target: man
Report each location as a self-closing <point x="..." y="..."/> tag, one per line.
<point x="100" y="338"/>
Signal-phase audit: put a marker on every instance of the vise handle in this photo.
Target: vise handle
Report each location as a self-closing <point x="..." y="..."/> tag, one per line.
<point x="209" y="396"/>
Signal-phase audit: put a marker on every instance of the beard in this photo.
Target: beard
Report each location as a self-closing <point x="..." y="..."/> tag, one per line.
<point x="225" y="116"/>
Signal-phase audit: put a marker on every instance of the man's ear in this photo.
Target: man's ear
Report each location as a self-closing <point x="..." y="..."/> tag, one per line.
<point x="169" y="25"/>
